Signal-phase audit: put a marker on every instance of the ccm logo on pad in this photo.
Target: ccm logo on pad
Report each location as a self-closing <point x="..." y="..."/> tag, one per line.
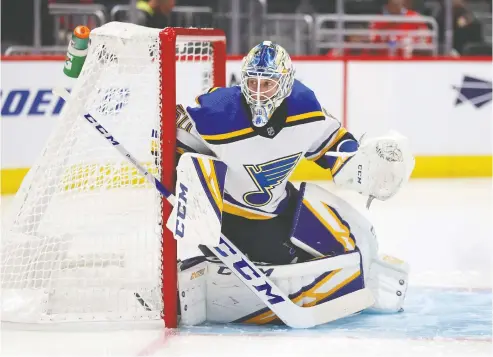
<point x="181" y="211"/>
<point x="247" y="271"/>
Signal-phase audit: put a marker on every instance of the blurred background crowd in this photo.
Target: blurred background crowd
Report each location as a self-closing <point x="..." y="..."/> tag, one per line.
<point x="304" y="27"/>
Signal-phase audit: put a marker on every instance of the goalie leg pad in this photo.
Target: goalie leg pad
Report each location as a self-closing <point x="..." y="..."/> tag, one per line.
<point x="225" y="299"/>
<point x="318" y="228"/>
<point x="388" y="280"/>
<point x="385" y="276"/>
<point x="343" y="226"/>
<point x="197" y="214"/>
<point x="192" y="290"/>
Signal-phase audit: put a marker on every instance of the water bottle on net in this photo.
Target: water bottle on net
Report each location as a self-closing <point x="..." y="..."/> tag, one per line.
<point x="77" y="51"/>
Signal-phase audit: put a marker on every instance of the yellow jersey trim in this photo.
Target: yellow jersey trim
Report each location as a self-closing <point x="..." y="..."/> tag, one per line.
<point x="230" y="135"/>
<point x="210" y="90"/>
<point x="339" y="135"/>
<point x="304" y="116"/>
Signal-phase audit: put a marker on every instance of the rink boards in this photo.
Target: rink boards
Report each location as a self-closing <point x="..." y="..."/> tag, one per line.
<point x="443" y="106"/>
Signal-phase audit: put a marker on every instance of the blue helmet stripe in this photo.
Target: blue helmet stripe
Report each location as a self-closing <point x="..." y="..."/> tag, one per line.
<point x="264" y="57"/>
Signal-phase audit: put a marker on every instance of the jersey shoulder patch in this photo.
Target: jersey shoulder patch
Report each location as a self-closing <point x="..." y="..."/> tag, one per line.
<point x="303" y="106"/>
<point x="183" y="120"/>
<point x="220" y="116"/>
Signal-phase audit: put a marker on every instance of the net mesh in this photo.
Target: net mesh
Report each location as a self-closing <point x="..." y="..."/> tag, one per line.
<point x="86" y="237"/>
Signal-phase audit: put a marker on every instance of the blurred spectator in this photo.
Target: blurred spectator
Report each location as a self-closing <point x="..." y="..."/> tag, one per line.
<point x="405" y="39"/>
<point x="466" y="28"/>
<point x="351" y="40"/>
<point x="154" y="13"/>
<point x="18" y="23"/>
<point x="305" y="7"/>
<point x="416" y="5"/>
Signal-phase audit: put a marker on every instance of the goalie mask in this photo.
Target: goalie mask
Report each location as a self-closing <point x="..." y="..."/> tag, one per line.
<point x="267" y="77"/>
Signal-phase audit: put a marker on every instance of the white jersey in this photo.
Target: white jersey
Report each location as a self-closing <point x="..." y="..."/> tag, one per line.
<point x="259" y="160"/>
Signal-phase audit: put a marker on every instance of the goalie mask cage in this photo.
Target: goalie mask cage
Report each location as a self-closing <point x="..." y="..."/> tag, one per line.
<point x="87" y="239"/>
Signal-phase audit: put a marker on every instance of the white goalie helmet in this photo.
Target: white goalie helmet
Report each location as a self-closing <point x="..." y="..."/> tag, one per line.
<point x="267" y="76"/>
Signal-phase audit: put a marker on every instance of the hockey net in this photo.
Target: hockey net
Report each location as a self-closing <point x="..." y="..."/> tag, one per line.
<point x="87" y="240"/>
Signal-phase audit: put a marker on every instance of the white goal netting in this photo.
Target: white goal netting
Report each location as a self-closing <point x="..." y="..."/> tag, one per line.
<point x="85" y="243"/>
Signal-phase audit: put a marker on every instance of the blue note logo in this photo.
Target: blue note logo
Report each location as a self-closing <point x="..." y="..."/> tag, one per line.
<point x="474" y="90"/>
<point x="267" y="176"/>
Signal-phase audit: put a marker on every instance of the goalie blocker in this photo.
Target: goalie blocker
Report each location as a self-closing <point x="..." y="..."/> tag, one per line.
<point x="324" y="226"/>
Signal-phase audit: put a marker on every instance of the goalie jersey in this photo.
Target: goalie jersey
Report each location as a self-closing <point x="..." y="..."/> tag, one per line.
<point x="260" y="160"/>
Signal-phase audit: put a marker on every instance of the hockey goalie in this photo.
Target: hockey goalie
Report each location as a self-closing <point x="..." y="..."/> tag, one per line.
<point x="238" y="147"/>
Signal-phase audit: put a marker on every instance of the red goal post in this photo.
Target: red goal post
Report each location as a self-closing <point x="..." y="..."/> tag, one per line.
<point x="169" y="38"/>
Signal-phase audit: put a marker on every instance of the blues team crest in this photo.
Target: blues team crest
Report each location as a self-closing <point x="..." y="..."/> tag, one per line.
<point x="267" y="176"/>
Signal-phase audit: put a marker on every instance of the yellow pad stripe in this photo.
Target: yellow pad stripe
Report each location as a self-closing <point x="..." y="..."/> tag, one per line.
<point x="320" y="296"/>
<point x="269" y="316"/>
<point x="262" y="319"/>
<point x="342" y="237"/>
<point x="310" y="292"/>
<point x="350" y="244"/>
<point x="211" y="180"/>
<point x="237" y="211"/>
<point x="218" y="195"/>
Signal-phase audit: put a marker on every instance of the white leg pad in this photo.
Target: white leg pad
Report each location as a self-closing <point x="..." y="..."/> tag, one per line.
<point x="197" y="214"/>
<point x="385" y="276"/>
<point x="388" y="281"/>
<point x="192" y="287"/>
<point x="209" y="291"/>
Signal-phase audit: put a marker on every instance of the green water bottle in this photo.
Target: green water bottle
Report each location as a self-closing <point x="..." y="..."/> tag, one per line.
<point x="77" y="51"/>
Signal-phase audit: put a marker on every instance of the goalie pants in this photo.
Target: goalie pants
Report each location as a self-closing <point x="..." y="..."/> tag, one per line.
<point x="265" y="241"/>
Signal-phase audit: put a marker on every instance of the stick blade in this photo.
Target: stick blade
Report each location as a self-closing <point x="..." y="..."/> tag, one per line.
<point x="343" y="306"/>
<point x="61" y="92"/>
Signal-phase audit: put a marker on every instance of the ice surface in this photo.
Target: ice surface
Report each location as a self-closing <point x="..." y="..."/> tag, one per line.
<point x="443" y="228"/>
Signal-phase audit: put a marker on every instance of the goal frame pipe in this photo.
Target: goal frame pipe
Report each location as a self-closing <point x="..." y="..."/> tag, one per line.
<point x="168" y="38"/>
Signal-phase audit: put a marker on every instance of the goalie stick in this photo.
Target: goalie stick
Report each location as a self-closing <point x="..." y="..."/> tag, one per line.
<point x="291" y="314"/>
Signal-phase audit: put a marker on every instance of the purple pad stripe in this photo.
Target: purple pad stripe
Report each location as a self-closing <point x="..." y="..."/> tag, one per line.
<point x="203" y="181"/>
